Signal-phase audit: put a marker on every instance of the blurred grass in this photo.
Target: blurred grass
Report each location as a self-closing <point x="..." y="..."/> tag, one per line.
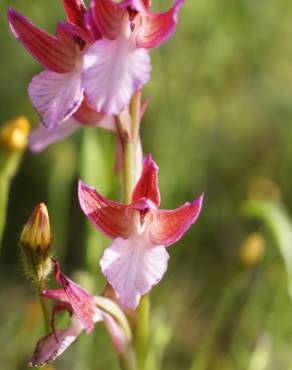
<point x="220" y="121"/>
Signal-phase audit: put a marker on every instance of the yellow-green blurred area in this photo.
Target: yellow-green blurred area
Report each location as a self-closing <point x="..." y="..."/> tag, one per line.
<point x="220" y="122"/>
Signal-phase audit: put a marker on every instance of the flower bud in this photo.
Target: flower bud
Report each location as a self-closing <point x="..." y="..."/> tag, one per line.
<point x="252" y="250"/>
<point x="37" y="232"/>
<point x="36" y="241"/>
<point x="14" y="134"/>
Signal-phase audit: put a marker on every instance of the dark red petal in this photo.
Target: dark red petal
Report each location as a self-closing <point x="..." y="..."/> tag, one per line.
<point x="59" y="307"/>
<point x="109" y="217"/>
<point x="54" y="53"/>
<point x="168" y="227"/>
<point x="82" y="303"/>
<point x="108" y="17"/>
<point x="91" y="25"/>
<point x="56" y="294"/>
<point x="147" y="186"/>
<point x="75" y="10"/>
<point x="54" y="344"/>
<point x="86" y="115"/>
<point x="158" y="27"/>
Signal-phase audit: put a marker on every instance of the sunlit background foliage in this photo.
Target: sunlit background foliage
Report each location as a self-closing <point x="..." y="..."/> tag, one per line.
<point x="220" y="122"/>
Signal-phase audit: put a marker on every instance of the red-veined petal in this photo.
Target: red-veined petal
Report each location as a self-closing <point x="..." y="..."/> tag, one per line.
<point x="75" y="10"/>
<point x="82" y="303"/>
<point x="91" y="25"/>
<point x="108" y="16"/>
<point x="158" y="27"/>
<point x="147" y="186"/>
<point x="54" y="53"/>
<point x="112" y="218"/>
<point x="168" y="227"/>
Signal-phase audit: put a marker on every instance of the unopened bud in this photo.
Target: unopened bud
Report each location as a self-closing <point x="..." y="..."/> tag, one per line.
<point x="36" y="241"/>
<point x="14" y="134"/>
<point x="252" y="250"/>
<point x="36" y="233"/>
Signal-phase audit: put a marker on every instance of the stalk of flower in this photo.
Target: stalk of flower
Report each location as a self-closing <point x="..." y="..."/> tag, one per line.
<point x="85" y="311"/>
<point x="13" y="141"/>
<point x="35" y="242"/>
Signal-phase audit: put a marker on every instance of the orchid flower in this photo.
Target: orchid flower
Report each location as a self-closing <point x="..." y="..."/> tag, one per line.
<point x="137" y="259"/>
<point x="100" y="53"/>
<point x="118" y="64"/>
<point x="57" y="93"/>
<point x="85" y="313"/>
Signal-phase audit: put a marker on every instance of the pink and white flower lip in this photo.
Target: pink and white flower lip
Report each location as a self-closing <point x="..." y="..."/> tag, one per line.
<point x="119" y="64"/>
<point x="84" y="315"/>
<point x="137" y="258"/>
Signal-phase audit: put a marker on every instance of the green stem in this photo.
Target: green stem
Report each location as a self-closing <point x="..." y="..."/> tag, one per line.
<point x="4" y="193"/>
<point x="44" y="305"/>
<point x="142" y="331"/>
<point x="127" y="361"/>
<point x="9" y="162"/>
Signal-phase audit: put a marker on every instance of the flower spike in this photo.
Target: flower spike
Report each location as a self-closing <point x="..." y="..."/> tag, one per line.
<point x="137" y="258"/>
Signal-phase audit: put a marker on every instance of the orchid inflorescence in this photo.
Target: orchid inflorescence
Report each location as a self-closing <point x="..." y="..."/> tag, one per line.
<point x="95" y="68"/>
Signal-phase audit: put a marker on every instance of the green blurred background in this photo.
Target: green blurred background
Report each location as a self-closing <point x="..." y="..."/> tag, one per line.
<point x="220" y="122"/>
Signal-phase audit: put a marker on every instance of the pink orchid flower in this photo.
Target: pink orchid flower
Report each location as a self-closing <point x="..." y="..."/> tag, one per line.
<point x="84" y="315"/>
<point x="100" y="53"/>
<point x="137" y="259"/>
<point x="57" y="93"/>
<point x="119" y="64"/>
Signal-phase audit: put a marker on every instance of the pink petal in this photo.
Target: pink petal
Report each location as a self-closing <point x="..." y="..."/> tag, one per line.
<point x="88" y="116"/>
<point x="108" y="16"/>
<point x="54" y="344"/>
<point x="113" y="71"/>
<point x="147" y="186"/>
<point x="91" y="26"/>
<point x="116" y="333"/>
<point x="57" y="294"/>
<point x="158" y="27"/>
<point x="73" y="34"/>
<point x="56" y="96"/>
<point x="132" y="266"/>
<point x="109" y="217"/>
<point x="42" y="137"/>
<point x="54" y="53"/>
<point x="75" y="10"/>
<point x="82" y="303"/>
<point x="169" y="226"/>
